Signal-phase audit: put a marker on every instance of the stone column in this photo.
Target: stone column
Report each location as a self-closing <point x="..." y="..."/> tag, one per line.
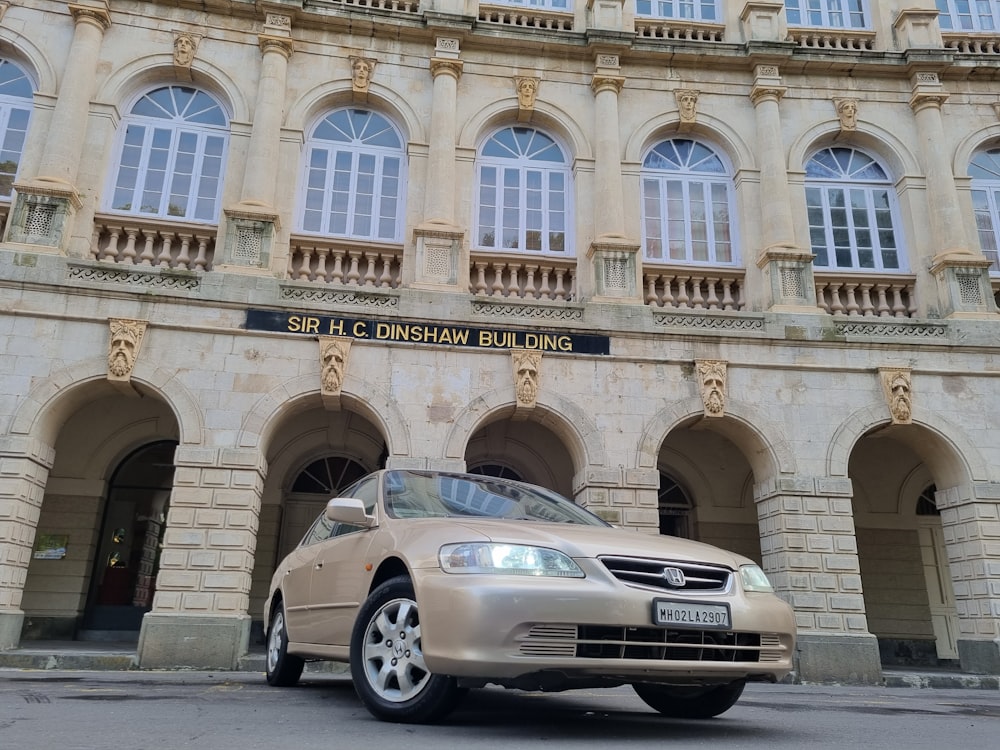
<point x="252" y="223"/>
<point x="970" y="519"/>
<point x="440" y="260"/>
<point x="810" y="553"/>
<point x="614" y="268"/>
<point x="787" y="268"/>
<point x="962" y="275"/>
<point x="199" y="616"/>
<point x="45" y="204"/>
<point x="25" y="464"/>
<point x="626" y="497"/>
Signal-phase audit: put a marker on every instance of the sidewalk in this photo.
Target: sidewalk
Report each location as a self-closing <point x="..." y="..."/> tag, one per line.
<point x="113" y="656"/>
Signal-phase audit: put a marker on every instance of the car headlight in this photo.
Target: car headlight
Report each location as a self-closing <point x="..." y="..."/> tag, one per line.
<point x="507" y="559"/>
<point x="754" y="579"/>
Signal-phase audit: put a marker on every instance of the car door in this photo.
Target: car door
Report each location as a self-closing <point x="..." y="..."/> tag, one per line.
<point x="339" y="579"/>
<point x="296" y="569"/>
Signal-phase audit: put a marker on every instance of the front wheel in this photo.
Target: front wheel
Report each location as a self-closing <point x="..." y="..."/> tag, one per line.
<point x="690" y="702"/>
<point x="387" y="663"/>
<point x="283" y="668"/>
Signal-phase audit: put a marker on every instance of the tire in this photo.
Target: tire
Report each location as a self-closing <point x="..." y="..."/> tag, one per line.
<point x="283" y="668"/>
<point x="690" y="702"/>
<point x="387" y="663"/>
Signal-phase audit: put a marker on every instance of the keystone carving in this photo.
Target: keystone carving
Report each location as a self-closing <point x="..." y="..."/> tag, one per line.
<point x="123" y="349"/>
<point x="713" y="386"/>
<point x="687" y="105"/>
<point x="527" y="91"/>
<point x="526" y="365"/>
<point x="847" y="112"/>
<point x="897" y="387"/>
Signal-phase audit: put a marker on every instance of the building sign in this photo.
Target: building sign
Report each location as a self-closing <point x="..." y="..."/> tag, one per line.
<point x="425" y="333"/>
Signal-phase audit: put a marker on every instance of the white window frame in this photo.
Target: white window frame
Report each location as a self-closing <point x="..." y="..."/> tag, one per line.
<point x="555" y="6"/>
<point x="690" y="181"/>
<point x="868" y="188"/>
<point x="179" y="127"/>
<point x="526" y="169"/>
<point x="828" y="14"/>
<point x="14" y="105"/>
<point x="986" y="205"/>
<point x="682" y="10"/>
<point x="357" y="150"/>
<point x="969" y="15"/>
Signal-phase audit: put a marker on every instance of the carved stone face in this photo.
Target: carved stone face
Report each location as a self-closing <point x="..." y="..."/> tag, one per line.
<point x="713" y="386"/>
<point x="687" y="103"/>
<point x="900" y="401"/>
<point x="526" y="378"/>
<point x="183" y="50"/>
<point x="361" y="72"/>
<point x="848" y="112"/>
<point x="333" y="360"/>
<point x="526" y="90"/>
<point x="121" y="357"/>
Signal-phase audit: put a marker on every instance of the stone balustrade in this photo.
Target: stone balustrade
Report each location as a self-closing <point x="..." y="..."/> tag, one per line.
<point x="130" y="240"/>
<point x="526" y="17"/>
<point x="523" y="277"/>
<point x="340" y="262"/>
<point x="868" y="296"/>
<point x="678" y="30"/>
<point x="832" y="39"/>
<point x="694" y="288"/>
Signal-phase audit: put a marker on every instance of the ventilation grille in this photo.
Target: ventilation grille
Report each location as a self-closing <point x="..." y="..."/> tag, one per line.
<point x="697" y="578"/>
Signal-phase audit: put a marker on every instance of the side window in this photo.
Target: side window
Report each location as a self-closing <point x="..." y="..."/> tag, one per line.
<point x="367" y="492"/>
<point x="321" y="529"/>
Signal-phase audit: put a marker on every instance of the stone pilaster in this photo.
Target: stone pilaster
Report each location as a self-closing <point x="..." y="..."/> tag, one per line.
<point x="962" y="274"/>
<point x="624" y="497"/>
<point x="199" y="616"/>
<point x="970" y="519"/>
<point x="787" y="269"/>
<point x="441" y="260"/>
<point x="24" y="470"/>
<point x="45" y="204"/>
<point x="810" y="553"/>
<point x="251" y="224"/>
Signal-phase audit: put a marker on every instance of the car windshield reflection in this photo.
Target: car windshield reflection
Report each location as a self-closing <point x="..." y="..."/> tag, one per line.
<point x="414" y="494"/>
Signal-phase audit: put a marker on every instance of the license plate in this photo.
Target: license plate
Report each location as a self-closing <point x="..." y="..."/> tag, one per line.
<point x="691" y="614"/>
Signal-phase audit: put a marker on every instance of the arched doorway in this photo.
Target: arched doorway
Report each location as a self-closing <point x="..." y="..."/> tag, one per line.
<point x="937" y="576"/>
<point x="675" y="508"/>
<point x="129" y="540"/>
<point x="524" y="450"/>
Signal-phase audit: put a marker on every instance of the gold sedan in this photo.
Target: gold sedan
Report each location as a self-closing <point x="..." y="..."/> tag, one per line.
<point x="430" y="583"/>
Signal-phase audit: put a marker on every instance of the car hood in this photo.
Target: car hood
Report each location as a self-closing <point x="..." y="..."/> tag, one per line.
<point x="592" y="541"/>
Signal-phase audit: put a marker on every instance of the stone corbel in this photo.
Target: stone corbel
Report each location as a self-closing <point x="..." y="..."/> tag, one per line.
<point x="526" y="88"/>
<point x="687" y="107"/>
<point x="333" y="354"/>
<point x="526" y="365"/>
<point x="125" y="340"/>
<point x="185" y="51"/>
<point x="847" y="113"/>
<point x="362" y="71"/>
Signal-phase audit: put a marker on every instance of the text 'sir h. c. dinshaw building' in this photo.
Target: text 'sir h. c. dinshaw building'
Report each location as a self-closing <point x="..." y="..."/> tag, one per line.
<point x="717" y="269"/>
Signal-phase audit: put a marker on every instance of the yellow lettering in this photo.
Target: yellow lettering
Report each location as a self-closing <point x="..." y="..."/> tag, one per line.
<point x="431" y="334"/>
<point x="382" y="331"/>
<point x="310" y="325"/>
<point x="459" y="336"/>
<point x="531" y="341"/>
<point x="294" y="323"/>
<point x="565" y="344"/>
<point x="485" y="338"/>
<point x="336" y="327"/>
<point x="360" y="329"/>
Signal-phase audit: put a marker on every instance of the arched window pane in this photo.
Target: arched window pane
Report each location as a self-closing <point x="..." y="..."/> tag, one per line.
<point x="172" y="156"/>
<point x="985" y="173"/>
<point x="523" y="193"/>
<point x="686" y="204"/>
<point x="15" y="111"/>
<point x="851" y="210"/>
<point x="353" y="179"/>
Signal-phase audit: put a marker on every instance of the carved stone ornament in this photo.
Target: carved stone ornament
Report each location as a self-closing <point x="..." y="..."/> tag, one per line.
<point x="123" y="349"/>
<point x="526" y="365"/>
<point x="898" y="390"/>
<point x="687" y="104"/>
<point x="333" y="353"/>
<point x="847" y="113"/>
<point x="185" y="48"/>
<point x="527" y="91"/>
<point x="362" y="70"/>
<point x="713" y="386"/>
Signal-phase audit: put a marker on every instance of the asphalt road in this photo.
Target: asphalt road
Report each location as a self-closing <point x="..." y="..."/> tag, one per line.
<point x="42" y="710"/>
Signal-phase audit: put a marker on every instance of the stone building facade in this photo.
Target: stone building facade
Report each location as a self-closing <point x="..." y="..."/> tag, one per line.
<point x="725" y="270"/>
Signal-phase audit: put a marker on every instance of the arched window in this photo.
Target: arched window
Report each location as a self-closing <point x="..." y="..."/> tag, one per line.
<point x="675" y="508"/>
<point x="836" y="14"/>
<point x="172" y="156"/>
<point x="687" y="204"/>
<point x="985" y="173"/>
<point x="963" y="15"/>
<point x="852" y="212"/>
<point x="524" y="193"/>
<point x="15" y="111"/>
<point x="353" y="181"/>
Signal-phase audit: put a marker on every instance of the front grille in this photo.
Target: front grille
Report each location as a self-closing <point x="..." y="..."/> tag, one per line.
<point x="698" y="577"/>
<point x="656" y="644"/>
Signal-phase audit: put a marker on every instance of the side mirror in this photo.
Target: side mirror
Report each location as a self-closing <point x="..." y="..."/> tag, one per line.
<point x="349" y="510"/>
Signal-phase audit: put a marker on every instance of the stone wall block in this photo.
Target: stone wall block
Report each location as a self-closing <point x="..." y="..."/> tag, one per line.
<point x="230" y="539"/>
<point x="234" y="603"/>
<point x="622" y="497"/>
<point x="204" y="559"/>
<point x="246" y="459"/>
<point x="178" y="517"/>
<point x="816" y="505"/>
<point x="829" y="621"/>
<point x="987" y="491"/>
<point x="797" y="485"/>
<point x="824" y="582"/>
<point x="850" y="583"/>
<point x="210" y="517"/>
<point x="167" y="600"/>
<point x="841" y="506"/>
<point x="800" y="523"/>
<point x="819" y="543"/>
<point x="216" y="477"/>
<point x="187" y="455"/>
<point x="178" y="580"/>
<point x="248" y="481"/>
<point x="226" y="581"/>
<point x="186" y="476"/>
<point x="805" y="620"/>
<point x="808" y="600"/>
<point x="846" y="544"/>
<point x="241" y="519"/>
<point x="835" y="524"/>
<point x="184" y="538"/>
<point x="847" y="602"/>
<point x="191" y="496"/>
<point x="236" y="560"/>
<point x="833" y="486"/>
<point x="841" y="563"/>
<point x="791" y="504"/>
<point x="194" y="602"/>
<point x="856" y="623"/>
<point x="174" y="558"/>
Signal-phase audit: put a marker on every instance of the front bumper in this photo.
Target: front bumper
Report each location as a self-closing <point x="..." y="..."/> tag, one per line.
<point x="506" y="627"/>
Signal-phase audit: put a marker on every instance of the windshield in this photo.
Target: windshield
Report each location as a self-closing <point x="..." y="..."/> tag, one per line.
<point x="415" y="494"/>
